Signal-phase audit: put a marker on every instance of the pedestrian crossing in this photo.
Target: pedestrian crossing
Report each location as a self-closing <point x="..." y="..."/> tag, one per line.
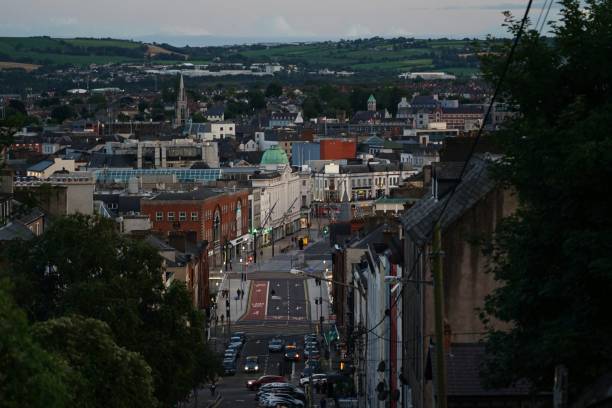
<point x="285" y="328"/>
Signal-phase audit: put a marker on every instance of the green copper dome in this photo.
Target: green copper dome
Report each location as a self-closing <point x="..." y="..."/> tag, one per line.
<point x="274" y="155"/>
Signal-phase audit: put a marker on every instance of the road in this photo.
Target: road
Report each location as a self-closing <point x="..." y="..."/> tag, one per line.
<point x="278" y="308"/>
<point x="279" y="305"/>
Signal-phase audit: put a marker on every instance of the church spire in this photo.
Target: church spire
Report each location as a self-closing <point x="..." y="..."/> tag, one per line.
<point x="181" y="111"/>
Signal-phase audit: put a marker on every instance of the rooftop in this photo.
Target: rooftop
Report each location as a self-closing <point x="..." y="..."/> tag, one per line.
<point x="274" y="155"/>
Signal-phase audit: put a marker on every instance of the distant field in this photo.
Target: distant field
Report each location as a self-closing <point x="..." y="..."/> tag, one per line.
<point x="18" y="65"/>
<point x="389" y="56"/>
<point x="368" y="56"/>
<point x="93" y="42"/>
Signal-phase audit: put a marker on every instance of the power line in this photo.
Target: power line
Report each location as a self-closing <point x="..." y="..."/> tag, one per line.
<point x="545" y="18"/>
<point x="498" y="85"/>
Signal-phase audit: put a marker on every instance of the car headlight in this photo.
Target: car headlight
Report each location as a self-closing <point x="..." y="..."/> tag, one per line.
<point x="257" y="367"/>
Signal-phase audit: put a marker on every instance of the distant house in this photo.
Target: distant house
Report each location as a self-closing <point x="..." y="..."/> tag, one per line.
<point x="248" y="146"/>
<point x="210" y="131"/>
<point x="285" y="119"/>
<point x="45" y="169"/>
<point x="215" y="113"/>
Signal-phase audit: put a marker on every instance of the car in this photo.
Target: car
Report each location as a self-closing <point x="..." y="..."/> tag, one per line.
<point x="236" y="342"/>
<point x="292" y="354"/>
<point x="236" y="347"/>
<point x="292" y="391"/>
<point x="255" y="384"/>
<point x="311" y="336"/>
<point x="311" y="343"/>
<point x="273" y="401"/>
<point x="241" y="335"/>
<point x="251" y="364"/>
<point x="280" y="386"/>
<point x="278" y="394"/>
<point x="316" y="379"/>
<point x="308" y="371"/>
<point x="236" y="339"/>
<point x="276" y="345"/>
<point x="231" y="353"/>
<point x="229" y="367"/>
<point x="314" y="355"/>
<point x="310" y="349"/>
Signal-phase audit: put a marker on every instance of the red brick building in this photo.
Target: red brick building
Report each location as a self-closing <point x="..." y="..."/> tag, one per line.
<point x="216" y="215"/>
<point x="337" y="149"/>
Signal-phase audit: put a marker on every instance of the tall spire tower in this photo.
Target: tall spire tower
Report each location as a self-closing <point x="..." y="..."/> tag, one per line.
<point x="182" y="111"/>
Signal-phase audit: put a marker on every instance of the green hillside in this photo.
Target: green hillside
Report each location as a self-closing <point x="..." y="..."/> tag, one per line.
<point x="76" y="51"/>
<point x="369" y="56"/>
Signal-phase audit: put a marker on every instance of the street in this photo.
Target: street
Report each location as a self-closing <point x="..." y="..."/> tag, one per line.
<point x="276" y="304"/>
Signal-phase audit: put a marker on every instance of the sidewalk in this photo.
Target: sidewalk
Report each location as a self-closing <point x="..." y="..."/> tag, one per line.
<point x="238" y="307"/>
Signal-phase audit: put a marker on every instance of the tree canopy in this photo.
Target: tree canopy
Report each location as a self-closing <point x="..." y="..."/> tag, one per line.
<point x="82" y="266"/>
<point x="554" y="256"/>
<point x="97" y="363"/>
<point x="29" y="375"/>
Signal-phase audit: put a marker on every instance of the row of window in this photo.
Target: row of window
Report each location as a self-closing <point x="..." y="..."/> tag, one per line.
<point x="170" y="216"/>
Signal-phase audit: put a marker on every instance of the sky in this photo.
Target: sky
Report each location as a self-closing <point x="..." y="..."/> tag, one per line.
<point x="255" y="20"/>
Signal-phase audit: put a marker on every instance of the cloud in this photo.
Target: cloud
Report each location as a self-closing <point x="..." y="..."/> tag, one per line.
<point x="183" y="30"/>
<point x="358" y="30"/>
<point x="279" y="26"/>
<point x="399" y="32"/>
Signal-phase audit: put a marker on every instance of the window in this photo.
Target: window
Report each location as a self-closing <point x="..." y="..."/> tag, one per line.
<point x="182" y="216"/>
<point x="159" y="216"/>
<point x="170" y="215"/>
<point x="304" y="183"/>
<point x="194" y="216"/>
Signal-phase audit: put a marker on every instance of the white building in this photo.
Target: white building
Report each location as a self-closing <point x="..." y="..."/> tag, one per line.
<point x="211" y="130"/>
<point x="280" y="195"/>
<point x="45" y="169"/>
<point x="362" y="183"/>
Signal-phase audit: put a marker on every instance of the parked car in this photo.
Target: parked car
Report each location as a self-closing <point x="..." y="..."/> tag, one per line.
<point x="274" y="401"/>
<point x="309" y="349"/>
<point x="240" y="335"/>
<point x="281" y="389"/>
<point x="234" y="348"/>
<point x="230" y="353"/>
<point x="276" y="345"/>
<point x="229" y="366"/>
<point x="316" y="379"/>
<point x="255" y="384"/>
<point x="251" y="364"/>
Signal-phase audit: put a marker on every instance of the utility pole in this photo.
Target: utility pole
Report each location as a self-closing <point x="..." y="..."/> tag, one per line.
<point x="439" y="316"/>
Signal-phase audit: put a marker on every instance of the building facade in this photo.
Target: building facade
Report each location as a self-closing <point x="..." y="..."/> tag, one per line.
<point x="218" y="216"/>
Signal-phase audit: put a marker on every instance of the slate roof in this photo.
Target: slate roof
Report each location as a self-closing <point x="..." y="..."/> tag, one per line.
<point x="14" y="230"/>
<point x="424" y="100"/>
<point x="195" y="195"/>
<point x="217" y="110"/>
<point x="419" y="220"/>
<point x="41" y="166"/>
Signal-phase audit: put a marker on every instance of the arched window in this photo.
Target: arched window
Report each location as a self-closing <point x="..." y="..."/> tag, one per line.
<point x="217" y="225"/>
<point x="238" y="218"/>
